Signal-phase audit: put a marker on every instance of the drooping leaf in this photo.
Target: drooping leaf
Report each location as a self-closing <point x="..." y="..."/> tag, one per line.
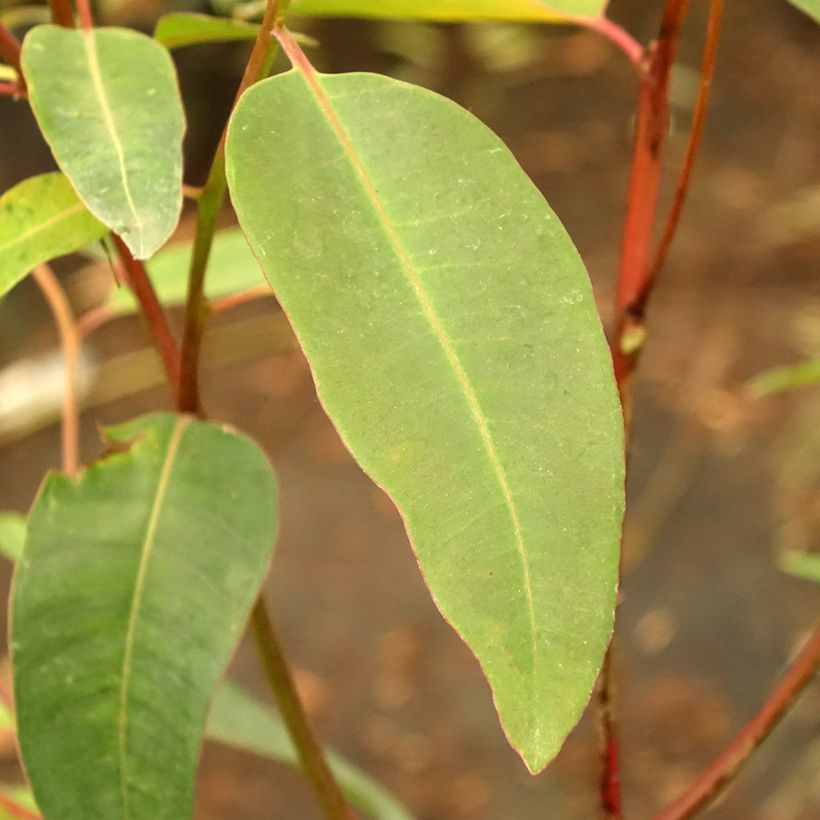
<point x="40" y="219"/>
<point x="108" y="104"/>
<point x="801" y="564"/>
<point x="811" y="7"/>
<point x="237" y="719"/>
<point x="231" y="268"/>
<point x="453" y="10"/>
<point x="785" y="379"/>
<point x="454" y="340"/>
<point x="188" y="28"/>
<point x="12" y="535"/>
<point x="133" y="589"/>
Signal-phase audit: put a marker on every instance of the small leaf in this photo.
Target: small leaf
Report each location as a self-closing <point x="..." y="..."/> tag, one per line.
<point x="232" y="268"/>
<point x="454" y="340"/>
<point x="12" y="535"/>
<point x="801" y="564"/>
<point x="237" y="719"/>
<point x="132" y="592"/>
<point x="40" y="219"/>
<point x="188" y="29"/>
<point x="785" y="379"/>
<point x="811" y="7"/>
<point x="108" y="104"/>
<point x="453" y="10"/>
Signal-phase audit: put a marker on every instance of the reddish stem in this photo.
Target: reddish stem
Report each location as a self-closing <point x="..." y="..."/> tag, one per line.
<point x="709" y="785"/>
<point x="85" y="15"/>
<point x="236" y="299"/>
<point x="10" y="50"/>
<point x="152" y="311"/>
<point x="617" y="35"/>
<point x="61" y="13"/>
<point x="11" y="90"/>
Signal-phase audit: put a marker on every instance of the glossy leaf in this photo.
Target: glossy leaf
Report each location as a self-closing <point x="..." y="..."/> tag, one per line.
<point x="108" y="104"/>
<point x="12" y="535"/>
<point x="511" y="10"/>
<point x="811" y="7"/>
<point x="231" y="268"/>
<point x="785" y="379"/>
<point x="188" y="29"/>
<point x="237" y="719"/>
<point x="133" y="589"/>
<point x="40" y="219"/>
<point x="455" y="343"/>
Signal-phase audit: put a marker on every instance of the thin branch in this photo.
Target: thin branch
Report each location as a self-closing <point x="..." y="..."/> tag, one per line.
<point x="710" y="784"/>
<point x="12" y="90"/>
<point x="616" y="34"/>
<point x="210" y="201"/>
<point x="61" y="13"/>
<point x="10" y="49"/>
<point x="70" y="344"/>
<point x="85" y="15"/>
<point x="241" y="298"/>
<point x="94" y="318"/>
<point x="152" y="311"/>
<point x="290" y="707"/>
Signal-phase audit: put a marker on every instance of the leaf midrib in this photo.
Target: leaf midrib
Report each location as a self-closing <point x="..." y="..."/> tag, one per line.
<point x="41" y="226"/>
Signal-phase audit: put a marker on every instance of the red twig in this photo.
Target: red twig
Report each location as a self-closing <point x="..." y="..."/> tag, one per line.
<point x="236" y="299"/>
<point x="11" y="90"/>
<point x="617" y="35"/>
<point x="10" y="50"/>
<point x="61" y="13"/>
<point x="152" y="311"/>
<point x="707" y="787"/>
<point x="85" y="15"/>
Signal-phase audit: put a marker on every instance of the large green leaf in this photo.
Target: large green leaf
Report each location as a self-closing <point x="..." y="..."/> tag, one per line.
<point x="231" y="268"/>
<point x="811" y="7"/>
<point x="12" y="535"/>
<point x="237" y="719"/>
<point x="455" y="343"/>
<point x="187" y="29"/>
<point x="134" y="586"/>
<point x="520" y="10"/>
<point x="40" y="219"/>
<point x="108" y="104"/>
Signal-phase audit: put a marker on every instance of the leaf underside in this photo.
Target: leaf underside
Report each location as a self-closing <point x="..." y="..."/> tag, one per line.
<point x="134" y="586"/>
<point x="455" y="343"/>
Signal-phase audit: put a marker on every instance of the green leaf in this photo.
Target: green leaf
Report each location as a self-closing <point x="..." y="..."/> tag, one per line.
<point x="231" y="268"/>
<point x="455" y="343"/>
<point x="785" y="379"/>
<point x="132" y="592"/>
<point x="811" y="7"/>
<point x="12" y="535"/>
<point x="188" y="29"/>
<point x="802" y="564"/>
<point x="108" y="104"/>
<point x="14" y="800"/>
<point x="519" y="10"/>
<point x="41" y="219"/>
<point x="237" y="719"/>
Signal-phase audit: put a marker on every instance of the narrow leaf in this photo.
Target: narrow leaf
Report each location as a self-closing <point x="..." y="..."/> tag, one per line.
<point x="188" y="29"/>
<point x="12" y="535"/>
<point x="801" y="564"/>
<point x="40" y="219"/>
<point x="108" y="104"/>
<point x="455" y="343"/>
<point x="232" y="268"/>
<point x="785" y="379"/>
<point x="133" y="589"/>
<point x="811" y="7"/>
<point x="237" y="719"/>
<point x="453" y="10"/>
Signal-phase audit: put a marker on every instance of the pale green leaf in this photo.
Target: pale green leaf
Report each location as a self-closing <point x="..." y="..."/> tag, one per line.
<point x="14" y="800"/>
<point x="108" y="104"/>
<point x="811" y="7"/>
<point x="785" y="379"/>
<point x="237" y="719"/>
<point x="12" y="535"/>
<point x="187" y="29"/>
<point x="231" y="268"/>
<point x="132" y="592"/>
<point x="455" y="343"/>
<point x="802" y="564"/>
<point x="511" y="10"/>
<point x="41" y="218"/>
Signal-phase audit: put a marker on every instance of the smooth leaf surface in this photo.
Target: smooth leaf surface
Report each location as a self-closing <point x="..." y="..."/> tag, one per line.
<point x="453" y="10"/>
<point x="238" y="719"/>
<point x="108" y="104"/>
<point x="41" y="218"/>
<point x="804" y="565"/>
<point x="134" y="586"/>
<point x="232" y="268"/>
<point x="454" y="340"/>
<point x="12" y="535"/>
<point x="188" y="29"/>
<point x="811" y="7"/>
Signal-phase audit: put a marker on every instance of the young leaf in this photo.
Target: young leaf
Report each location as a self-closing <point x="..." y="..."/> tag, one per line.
<point x="40" y="219"/>
<point x="188" y="29"/>
<point x="108" y="104"/>
<point x="133" y="589"/>
<point x="811" y="7"/>
<point x="455" y="343"/>
<point x="231" y="268"/>
<point x="801" y="564"/>
<point x="237" y="719"/>
<point x="784" y="379"/>
<point x="453" y="10"/>
<point x="12" y="535"/>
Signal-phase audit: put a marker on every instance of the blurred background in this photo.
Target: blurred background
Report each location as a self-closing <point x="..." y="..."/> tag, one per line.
<point x="721" y="483"/>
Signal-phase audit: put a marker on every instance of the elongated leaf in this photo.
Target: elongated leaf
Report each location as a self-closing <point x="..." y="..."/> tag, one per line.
<point x="134" y="587"/>
<point x="40" y="219"/>
<point x="231" y="268"/>
<point x="519" y="10"/>
<point x="801" y="564"/>
<point x="188" y="29"/>
<point x="785" y="379"/>
<point x="237" y="719"/>
<point x="12" y="535"/>
<point x="455" y="343"/>
<point x="108" y="104"/>
<point x="811" y="7"/>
